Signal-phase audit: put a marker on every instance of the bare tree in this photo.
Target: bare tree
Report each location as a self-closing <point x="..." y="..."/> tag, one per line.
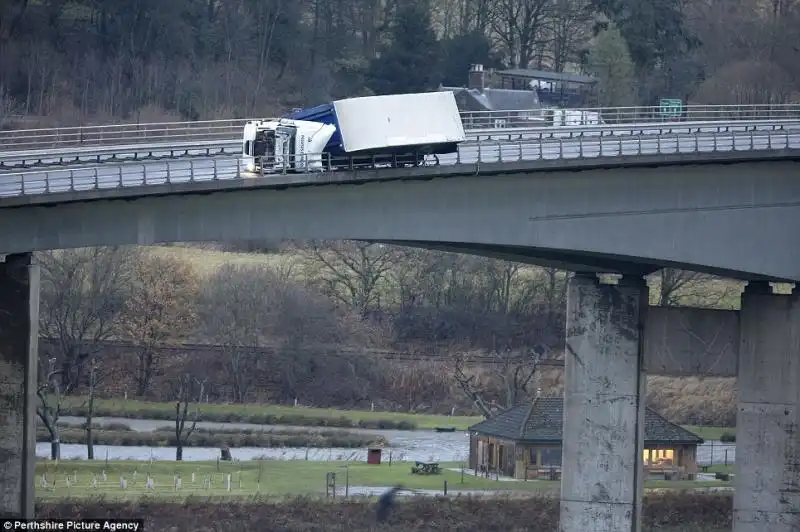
<point x="95" y="377"/>
<point x="160" y="309"/>
<point x="351" y="271"/>
<point x="51" y="396"/>
<point x="237" y="313"/>
<point x="186" y="389"/>
<point x="521" y="26"/>
<point x="515" y="370"/>
<point x="680" y="287"/>
<point x="570" y="25"/>
<point x="83" y="293"/>
<point x="467" y="383"/>
<point x="248" y="308"/>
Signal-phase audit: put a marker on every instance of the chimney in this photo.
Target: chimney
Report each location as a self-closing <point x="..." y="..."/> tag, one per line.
<point x="477" y="78"/>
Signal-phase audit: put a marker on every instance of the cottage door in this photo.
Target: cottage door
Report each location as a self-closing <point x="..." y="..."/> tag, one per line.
<point x="501" y="458"/>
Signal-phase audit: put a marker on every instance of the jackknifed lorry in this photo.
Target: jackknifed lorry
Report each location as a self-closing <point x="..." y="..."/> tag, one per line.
<point x="393" y="130"/>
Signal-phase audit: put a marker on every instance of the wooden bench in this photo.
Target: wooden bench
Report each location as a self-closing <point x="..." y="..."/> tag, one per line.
<point x="668" y="471"/>
<point x="426" y="468"/>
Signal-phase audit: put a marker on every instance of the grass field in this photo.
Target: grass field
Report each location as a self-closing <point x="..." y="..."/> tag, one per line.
<point x="278" y="414"/>
<point x="277" y="477"/>
<point x="82" y="479"/>
<point x="710" y="433"/>
<point x="207" y="261"/>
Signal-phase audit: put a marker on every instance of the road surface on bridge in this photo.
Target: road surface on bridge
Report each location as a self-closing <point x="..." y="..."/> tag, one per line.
<point x="109" y="176"/>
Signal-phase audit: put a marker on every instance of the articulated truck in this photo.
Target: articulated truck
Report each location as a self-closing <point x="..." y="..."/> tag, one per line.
<point x="393" y="130"/>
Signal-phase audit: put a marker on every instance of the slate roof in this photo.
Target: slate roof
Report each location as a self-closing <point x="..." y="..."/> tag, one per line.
<point x="546" y="75"/>
<point x="499" y="99"/>
<point x="545" y="424"/>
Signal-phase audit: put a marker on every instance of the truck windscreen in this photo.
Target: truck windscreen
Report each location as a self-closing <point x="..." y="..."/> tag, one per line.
<point x="264" y="144"/>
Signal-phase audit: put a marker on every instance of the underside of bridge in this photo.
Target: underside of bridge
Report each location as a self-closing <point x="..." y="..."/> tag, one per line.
<point x="547" y="258"/>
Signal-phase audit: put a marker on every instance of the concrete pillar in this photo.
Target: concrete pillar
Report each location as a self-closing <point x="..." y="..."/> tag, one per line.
<point x="19" y="341"/>
<point x="604" y="390"/>
<point x="767" y="477"/>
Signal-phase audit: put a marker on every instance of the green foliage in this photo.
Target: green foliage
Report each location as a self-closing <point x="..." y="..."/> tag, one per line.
<point x="410" y="63"/>
<point x="610" y="61"/>
<point x="462" y="51"/>
<point x="654" y="30"/>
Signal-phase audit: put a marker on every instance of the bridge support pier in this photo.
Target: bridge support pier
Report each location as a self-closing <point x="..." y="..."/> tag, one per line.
<point x="767" y="480"/>
<point x="604" y="391"/>
<point x="19" y="341"/>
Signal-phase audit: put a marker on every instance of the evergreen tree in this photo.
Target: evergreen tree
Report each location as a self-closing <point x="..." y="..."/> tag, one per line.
<point x="410" y="63"/>
<point x="610" y="61"/>
<point x="654" y="30"/>
<point x="462" y="51"/>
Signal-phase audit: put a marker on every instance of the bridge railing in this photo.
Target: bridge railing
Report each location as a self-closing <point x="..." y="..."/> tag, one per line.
<point x="327" y="170"/>
<point x="42" y="138"/>
<point x="625" y="115"/>
<point x="181" y="148"/>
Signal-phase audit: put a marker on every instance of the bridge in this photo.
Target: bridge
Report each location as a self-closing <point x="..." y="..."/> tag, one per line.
<point x="722" y="200"/>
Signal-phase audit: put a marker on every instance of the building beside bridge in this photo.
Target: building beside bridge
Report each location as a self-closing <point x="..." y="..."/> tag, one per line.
<point x="554" y="89"/>
<point x="525" y="442"/>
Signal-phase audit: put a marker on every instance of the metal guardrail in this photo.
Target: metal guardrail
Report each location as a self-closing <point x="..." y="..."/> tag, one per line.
<point x="230" y="168"/>
<point x="161" y="131"/>
<point x="212" y="148"/>
<point x="650" y="114"/>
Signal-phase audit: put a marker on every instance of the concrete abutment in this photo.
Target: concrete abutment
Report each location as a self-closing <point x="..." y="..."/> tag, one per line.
<point x="19" y="340"/>
<point x="604" y="393"/>
<point x="767" y="480"/>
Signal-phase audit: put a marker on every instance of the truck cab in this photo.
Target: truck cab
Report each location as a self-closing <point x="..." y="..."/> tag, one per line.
<point x="284" y="145"/>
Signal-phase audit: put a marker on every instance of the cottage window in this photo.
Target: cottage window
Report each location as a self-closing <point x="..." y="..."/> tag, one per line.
<point x="659" y="456"/>
<point x="550" y="456"/>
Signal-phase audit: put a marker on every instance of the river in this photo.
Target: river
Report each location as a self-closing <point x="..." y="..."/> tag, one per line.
<point x="422" y="445"/>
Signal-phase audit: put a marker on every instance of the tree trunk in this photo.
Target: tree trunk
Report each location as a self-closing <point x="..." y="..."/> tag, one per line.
<point x="55" y="449"/>
<point x="145" y="370"/>
<point x="179" y="451"/>
<point x="89" y="441"/>
<point x="89" y="416"/>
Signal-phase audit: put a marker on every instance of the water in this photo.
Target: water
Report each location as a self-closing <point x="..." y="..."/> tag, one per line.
<point x="422" y="445"/>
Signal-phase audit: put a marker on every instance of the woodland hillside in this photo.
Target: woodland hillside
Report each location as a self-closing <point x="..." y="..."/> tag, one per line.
<point x="90" y="61"/>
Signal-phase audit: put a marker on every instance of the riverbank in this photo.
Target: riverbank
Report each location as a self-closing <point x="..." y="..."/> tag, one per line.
<point x="259" y="414"/>
<point x="262" y="414"/>
<point x="170" y="480"/>
<point x="119" y="434"/>
<point x="662" y="513"/>
<point x="423" y="445"/>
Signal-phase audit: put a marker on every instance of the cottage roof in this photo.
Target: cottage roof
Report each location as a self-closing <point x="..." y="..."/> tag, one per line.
<point x="500" y="99"/>
<point x="545" y="75"/>
<point x="544" y="423"/>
